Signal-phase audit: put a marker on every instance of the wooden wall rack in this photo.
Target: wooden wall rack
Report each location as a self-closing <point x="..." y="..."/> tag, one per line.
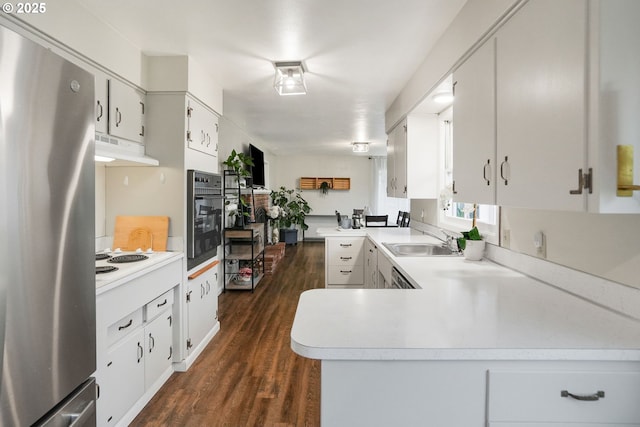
<point x="313" y="183"/>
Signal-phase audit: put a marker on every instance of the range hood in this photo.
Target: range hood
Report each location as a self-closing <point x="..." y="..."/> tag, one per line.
<point x="120" y="152"/>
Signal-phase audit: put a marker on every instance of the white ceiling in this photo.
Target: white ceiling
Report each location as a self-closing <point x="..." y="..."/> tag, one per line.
<point x="358" y="55"/>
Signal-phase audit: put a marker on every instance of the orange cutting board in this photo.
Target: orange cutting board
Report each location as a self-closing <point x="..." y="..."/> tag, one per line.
<point x="144" y="232"/>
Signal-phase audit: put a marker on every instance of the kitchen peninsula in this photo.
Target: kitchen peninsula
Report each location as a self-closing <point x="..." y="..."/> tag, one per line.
<point x="479" y="344"/>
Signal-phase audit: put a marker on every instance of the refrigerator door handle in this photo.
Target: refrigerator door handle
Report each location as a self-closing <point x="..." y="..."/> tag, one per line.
<point x="79" y="418"/>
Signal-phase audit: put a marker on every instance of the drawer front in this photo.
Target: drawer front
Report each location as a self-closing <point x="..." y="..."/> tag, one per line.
<point x="158" y="305"/>
<point x="346" y="275"/>
<point x="545" y="397"/>
<point x="346" y="251"/>
<point x="123" y="326"/>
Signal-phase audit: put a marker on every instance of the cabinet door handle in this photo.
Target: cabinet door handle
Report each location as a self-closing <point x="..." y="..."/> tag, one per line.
<point x="125" y="326"/>
<point x="141" y="131"/>
<point x="170" y="319"/>
<point x="208" y="287"/>
<point x="170" y="352"/>
<point x="216" y="128"/>
<point x="505" y="171"/>
<point x="100" y="111"/>
<point x="142" y="107"/>
<point x="118" y="117"/>
<point x="453" y="187"/>
<point x="152" y="343"/>
<point x="163" y="303"/>
<point x="584" y="397"/>
<point x="140" y="352"/>
<point x="486" y="171"/>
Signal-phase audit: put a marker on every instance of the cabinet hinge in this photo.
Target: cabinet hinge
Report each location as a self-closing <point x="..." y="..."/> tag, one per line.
<point x="189" y="345"/>
<point x="189" y="296"/>
<point x="585" y="182"/>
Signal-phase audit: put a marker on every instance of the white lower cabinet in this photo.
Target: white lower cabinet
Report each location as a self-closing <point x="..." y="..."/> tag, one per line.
<point x="202" y="308"/>
<point x="344" y="262"/>
<point x="135" y="329"/>
<point x="121" y="379"/>
<point x="370" y="264"/>
<point x="552" y="398"/>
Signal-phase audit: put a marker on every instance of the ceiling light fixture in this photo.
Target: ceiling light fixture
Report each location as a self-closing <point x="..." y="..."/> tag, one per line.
<point x="103" y="159"/>
<point x="443" y="97"/>
<point x="360" y="147"/>
<point x="289" y="78"/>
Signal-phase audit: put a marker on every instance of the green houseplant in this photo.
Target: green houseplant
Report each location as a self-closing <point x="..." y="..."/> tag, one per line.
<point x="324" y="187"/>
<point x="471" y="244"/>
<point x="292" y="210"/>
<point x="239" y="163"/>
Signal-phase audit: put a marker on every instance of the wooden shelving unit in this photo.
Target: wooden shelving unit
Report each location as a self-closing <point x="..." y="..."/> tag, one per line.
<point x="246" y="245"/>
<point x="313" y="183"/>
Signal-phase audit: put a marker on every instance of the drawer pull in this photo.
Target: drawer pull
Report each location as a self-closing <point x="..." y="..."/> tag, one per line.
<point x="346" y="271"/>
<point x="163" y="303"/>
<point x="585" y="397"/>
<point x="345" y="258"/>
<point x="126" y="326"/>
<point x="345" y="245"/>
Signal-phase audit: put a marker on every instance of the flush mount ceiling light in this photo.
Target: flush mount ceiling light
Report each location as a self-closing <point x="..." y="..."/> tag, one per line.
<point x="289" y="78"/>
<point x="360" y="147"/>
<point x="443" y="97"/>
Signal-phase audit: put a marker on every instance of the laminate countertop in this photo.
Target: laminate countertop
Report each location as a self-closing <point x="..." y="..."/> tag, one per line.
<point x="466" y="310"/>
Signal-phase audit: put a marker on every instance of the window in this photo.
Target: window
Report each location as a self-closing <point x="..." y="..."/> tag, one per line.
<point x="458" y="215"/>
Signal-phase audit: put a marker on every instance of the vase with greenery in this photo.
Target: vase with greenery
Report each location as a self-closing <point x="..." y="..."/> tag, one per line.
<point x="293" y="208"/>
<point x="471" y="244"/>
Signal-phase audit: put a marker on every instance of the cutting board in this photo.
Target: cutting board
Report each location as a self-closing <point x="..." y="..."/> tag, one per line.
<point x="144" y="232"/>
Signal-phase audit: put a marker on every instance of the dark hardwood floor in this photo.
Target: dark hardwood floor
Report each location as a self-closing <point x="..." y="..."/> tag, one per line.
<point x="248" y="375"/>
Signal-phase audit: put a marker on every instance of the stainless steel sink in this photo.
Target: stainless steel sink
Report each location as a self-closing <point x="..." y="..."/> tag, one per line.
<point x="418" y="249"/>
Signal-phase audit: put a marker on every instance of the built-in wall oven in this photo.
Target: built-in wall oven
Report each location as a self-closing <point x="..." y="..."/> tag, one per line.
<point x="204" y="216"/>
<point x="398" y="281"/>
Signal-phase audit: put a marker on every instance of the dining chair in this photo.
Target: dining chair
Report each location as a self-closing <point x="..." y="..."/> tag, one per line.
<point x="376" y="220"/>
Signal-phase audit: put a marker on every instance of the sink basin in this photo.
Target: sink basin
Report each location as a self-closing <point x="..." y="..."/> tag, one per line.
<point x="418" y="249"/>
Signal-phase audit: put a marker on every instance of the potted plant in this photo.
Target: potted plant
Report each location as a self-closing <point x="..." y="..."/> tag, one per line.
<point x="471" y="244"/>
<point x="324" y="187"/>
<point x="293" y="209"/>
<point x="239" y="163"/>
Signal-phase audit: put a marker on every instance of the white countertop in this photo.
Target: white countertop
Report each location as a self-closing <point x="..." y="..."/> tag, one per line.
<point x="130" y="271"/>
<point x="467" y="310"/>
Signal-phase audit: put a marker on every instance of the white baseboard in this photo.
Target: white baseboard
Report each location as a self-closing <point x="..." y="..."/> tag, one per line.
<point x="185" y="364"/>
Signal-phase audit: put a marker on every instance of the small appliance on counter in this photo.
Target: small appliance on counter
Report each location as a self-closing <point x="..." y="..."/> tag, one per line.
<point x="356" y="218"/>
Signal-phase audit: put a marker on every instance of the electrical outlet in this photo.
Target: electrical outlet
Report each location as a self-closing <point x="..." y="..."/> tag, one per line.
<point x="540" y="243"/>
<point x="506" y="238"/>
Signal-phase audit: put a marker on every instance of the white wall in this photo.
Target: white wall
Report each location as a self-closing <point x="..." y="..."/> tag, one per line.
<point x="358" y="168"/>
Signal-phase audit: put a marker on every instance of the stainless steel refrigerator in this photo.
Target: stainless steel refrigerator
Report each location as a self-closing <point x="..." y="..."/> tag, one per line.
<point x="47" y="249"/>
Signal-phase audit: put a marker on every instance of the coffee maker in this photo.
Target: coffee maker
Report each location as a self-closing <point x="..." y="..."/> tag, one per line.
<point x="356" y="218"/>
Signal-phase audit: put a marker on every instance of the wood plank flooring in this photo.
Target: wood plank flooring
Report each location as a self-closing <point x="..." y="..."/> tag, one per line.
<point x="248" y="375"/>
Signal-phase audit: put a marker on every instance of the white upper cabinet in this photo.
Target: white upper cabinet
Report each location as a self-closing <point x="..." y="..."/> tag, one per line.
<point x="412" y="158"/>
<point x="474" y="124"/>
<point x="541" y="105"/>
<point x="101" y="102"/>
<point x="614" y="97"/>
<point x="126" y="111"/>
<point x="202" y="124"/>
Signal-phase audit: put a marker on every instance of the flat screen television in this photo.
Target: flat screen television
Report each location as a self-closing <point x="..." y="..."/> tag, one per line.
<point x="257" y="170"/>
